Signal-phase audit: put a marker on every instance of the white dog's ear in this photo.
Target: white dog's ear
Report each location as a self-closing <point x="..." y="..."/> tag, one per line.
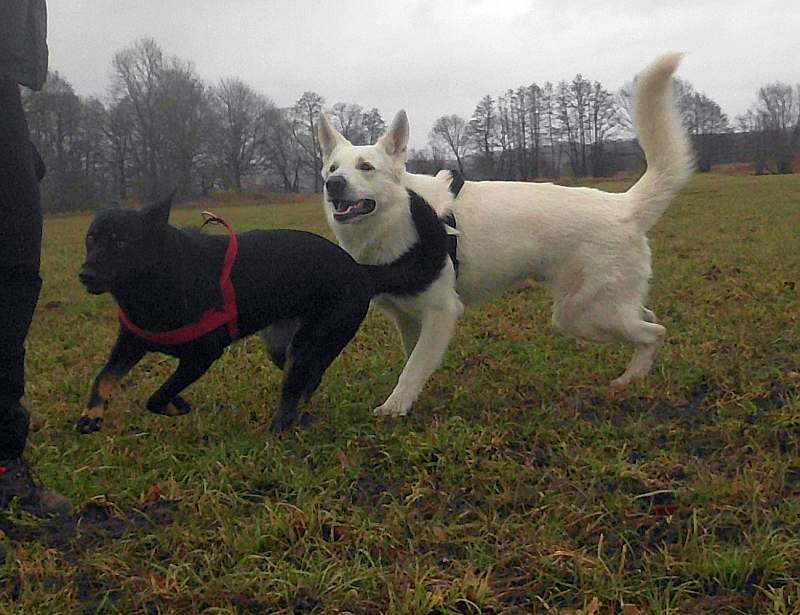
<point x="329" y="137"/>
<point x="395" y="141"/>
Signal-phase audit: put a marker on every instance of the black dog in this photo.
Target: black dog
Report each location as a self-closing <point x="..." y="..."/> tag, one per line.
<point x="307" y="295"/>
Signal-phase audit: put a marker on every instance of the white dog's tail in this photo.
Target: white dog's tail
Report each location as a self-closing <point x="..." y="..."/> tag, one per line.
<point x="666" y="146"/>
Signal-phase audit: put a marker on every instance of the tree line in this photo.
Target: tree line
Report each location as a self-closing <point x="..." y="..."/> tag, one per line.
<point x="162" y="127"/>
<point x="579" y="128"/>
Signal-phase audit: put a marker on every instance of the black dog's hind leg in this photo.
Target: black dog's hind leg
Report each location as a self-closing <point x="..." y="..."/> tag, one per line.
<point x="167" y="400"/>
<point x="277" y="338"/>
<point x="125" y="354"/>
<point x="317" y="343"/>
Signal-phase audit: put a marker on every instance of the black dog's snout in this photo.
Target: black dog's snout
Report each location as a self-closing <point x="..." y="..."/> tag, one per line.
<point x="335" y="186"/>
<point x="86" y="275"/>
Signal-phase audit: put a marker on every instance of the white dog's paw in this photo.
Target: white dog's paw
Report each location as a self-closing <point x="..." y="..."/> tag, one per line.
<point x="620" y="384"/>
<point x="391" y="408"/>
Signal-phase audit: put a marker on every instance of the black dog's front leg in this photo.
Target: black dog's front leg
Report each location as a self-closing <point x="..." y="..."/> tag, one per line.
<point x="125" y="354"/>
<point x="167" y="399"/>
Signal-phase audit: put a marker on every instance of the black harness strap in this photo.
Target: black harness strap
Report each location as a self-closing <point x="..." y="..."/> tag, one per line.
<point x="452" y="240"/>
<point x="456" y="183"/>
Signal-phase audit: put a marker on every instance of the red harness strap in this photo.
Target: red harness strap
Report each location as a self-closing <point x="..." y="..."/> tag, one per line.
<point x="212" y="319"/>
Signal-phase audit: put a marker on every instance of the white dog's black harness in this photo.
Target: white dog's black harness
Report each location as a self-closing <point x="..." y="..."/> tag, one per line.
<point x="456" y="183"/>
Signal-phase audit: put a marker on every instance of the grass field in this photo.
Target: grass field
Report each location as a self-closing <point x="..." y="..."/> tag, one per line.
<point x="519" y="485"/>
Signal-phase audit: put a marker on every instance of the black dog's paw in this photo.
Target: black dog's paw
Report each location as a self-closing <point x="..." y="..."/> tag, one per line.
<point x="176" y="407"/>
<point x="281" y="422"/>
<point x="181" y="404"/>
<point x="88" y="424"/>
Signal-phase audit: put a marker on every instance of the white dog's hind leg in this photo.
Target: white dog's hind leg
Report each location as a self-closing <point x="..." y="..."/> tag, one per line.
<point x="647" y="338"/>
<point x="437" y="328"/>
<point x="606" y="320"/>
<point x="649" y="315"/>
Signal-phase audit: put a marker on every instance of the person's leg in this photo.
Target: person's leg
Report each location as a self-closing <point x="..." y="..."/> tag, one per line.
<point x="20" y="245"/>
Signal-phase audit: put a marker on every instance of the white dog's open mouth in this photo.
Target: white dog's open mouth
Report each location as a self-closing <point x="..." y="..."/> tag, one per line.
<point x="345" y="211"/>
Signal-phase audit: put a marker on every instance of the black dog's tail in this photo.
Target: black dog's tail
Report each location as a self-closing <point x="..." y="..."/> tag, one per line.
<point x="418" y="267"/>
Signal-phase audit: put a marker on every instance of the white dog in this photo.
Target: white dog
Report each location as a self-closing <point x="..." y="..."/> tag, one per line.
<point x="589" y="247"/>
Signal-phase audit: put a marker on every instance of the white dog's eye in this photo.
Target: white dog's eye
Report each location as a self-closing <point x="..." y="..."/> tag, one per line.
<point x="365" y="166"/>
<point x="332" y="168"/>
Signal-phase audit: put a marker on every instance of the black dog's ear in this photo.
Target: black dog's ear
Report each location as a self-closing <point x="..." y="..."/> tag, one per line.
<point x="157" y="214"/>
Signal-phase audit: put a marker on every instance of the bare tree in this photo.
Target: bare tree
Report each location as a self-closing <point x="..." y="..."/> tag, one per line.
<point x="778" y="113"/>
<point x="535" y="113"/>
<point x="68" y="131"/>
<point x="210" y="166"/>
<point x="305" y="114"/>
<point x="451" y="131"/>
<point x="118" y="128"/>
<point x="751" y="124"/>
<point x="349" y="120"/>
<point x="184" y="102"/>
<point x="281" y="152"/>
<point x="428" y="161"/>
<point x="171" y="118"/>
<point x="519" y="107"/>
<point x="92" y="152"/>
<point x="482" y="134"/>
<point x="373" y="125"/>
<point x="505" y="123"/>
<point x="551" y="128"/>
<point x="54" y="117"/>
<point x="572" y="101"/>
<point x="588" y="116"/>
<point x="602" y="123"/>
<point x="137" y="75"/>
<point x="706" y="124"/>
<point x="241" y="112"/>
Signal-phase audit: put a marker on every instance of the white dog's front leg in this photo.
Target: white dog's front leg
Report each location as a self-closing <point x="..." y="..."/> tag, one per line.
<point x="407" y="325"/>
<point x="409" y="329"/>
<point x="437" y="328"/>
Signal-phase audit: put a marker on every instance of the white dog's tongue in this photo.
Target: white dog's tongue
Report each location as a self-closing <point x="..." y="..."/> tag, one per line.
<point x="349" y="208"/>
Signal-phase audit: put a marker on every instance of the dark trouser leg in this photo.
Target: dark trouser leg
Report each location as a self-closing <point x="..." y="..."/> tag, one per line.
<point x="20" y="291"/>
<point x="20" y="245"/>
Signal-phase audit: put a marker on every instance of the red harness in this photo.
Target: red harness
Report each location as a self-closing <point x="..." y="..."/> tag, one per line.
<point x="212" y="319"/>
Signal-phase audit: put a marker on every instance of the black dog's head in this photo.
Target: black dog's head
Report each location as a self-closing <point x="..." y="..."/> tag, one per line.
<point x="122" y="244"/>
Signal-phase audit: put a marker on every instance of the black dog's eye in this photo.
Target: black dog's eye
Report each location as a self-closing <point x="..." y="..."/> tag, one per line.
<point x="119" y="244"/>
<point x="365" y="166"/>
<point x="332" y="168"/>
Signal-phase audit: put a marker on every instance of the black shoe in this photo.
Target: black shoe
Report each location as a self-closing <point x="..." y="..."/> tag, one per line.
<point x="17" y="481"/>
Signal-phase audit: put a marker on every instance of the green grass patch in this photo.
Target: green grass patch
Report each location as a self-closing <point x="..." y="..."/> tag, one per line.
<point x="519" y="485"/>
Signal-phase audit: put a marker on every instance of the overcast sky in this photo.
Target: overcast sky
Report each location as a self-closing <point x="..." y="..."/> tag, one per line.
<point x="434" y="57"/>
